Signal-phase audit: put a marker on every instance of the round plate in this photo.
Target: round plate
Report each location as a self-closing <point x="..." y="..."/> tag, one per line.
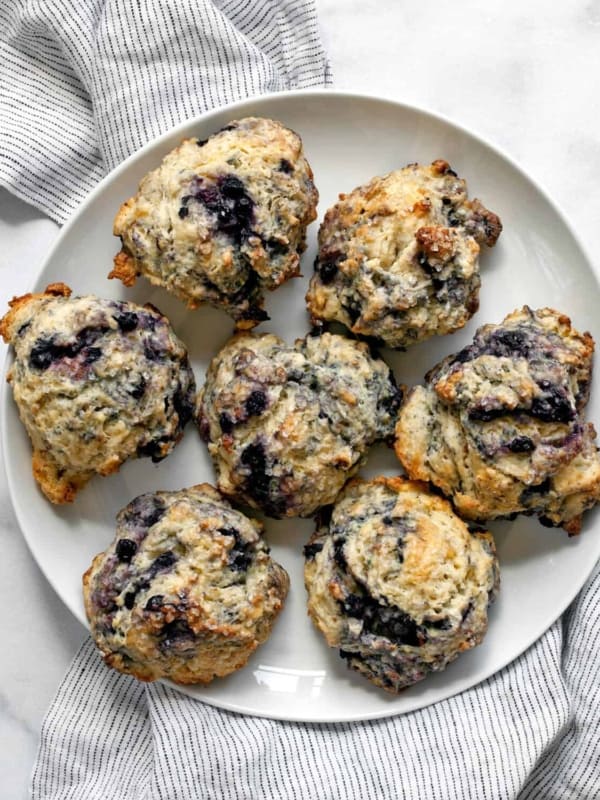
<point x="537" y="261"/>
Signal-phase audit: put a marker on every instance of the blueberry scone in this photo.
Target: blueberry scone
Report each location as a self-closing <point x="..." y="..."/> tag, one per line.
<point x="500" y="427"/>
<point x="287" y="425"/>
<point x="96" y="382"/>
<point x="398" y="257"/>
<point x="187" y="590"/>
<point x="397" y="582"/>
<point x="221" y="219"/>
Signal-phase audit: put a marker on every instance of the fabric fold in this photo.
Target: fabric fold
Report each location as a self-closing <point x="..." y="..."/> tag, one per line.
<point x="86" y="85"/>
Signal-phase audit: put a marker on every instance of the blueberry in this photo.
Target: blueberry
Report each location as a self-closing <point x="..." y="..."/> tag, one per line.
<point x="183" y="212"/>
<point x="554" y="407"/>
<point x="240" y="555"/>
<point x="354" y="606"/>
<point x="327" y="266"/>
<point x="521" y="444"/>
<point x="126" y="320"/>
<point x="464" y="355"/>
<point x="509" y="342"/>
<point x="226" y="423"/>
<point x="547" y="522"/>
<point x="164" y="562"/>
<point x="232" y="206"/>
<point x="44" y="352"/>
<point x="311" y="549"/>
<point x="233" y="187"/>
<point x="530" y="493"/>
<point x="155" y="602"/>
<point x="276" y="248"/>
<point x="285" y="166"/>
<point x="255" y="403"/>
<point x="126" y="549"/>
<point x="258" y="483"/>
<point x="483" y="414"/>
<point x="151" y="516"/>
<point x="87" y="336"/>
<point x="153" y="449"/>
<point x="392" y="401"/>
<point x="129" y="600"/>
<point x="92" y="354"/>
<point x="145" y="510"/>
<point x="138" y="390"/>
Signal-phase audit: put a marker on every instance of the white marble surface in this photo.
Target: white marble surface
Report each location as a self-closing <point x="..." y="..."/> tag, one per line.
<point x="523" y="75"/>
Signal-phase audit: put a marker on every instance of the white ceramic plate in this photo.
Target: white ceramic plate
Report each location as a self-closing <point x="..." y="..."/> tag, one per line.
<point x="538" y="261"/>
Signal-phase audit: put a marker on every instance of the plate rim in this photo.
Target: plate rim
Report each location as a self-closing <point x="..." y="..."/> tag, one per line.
<point x="203" y="117"/>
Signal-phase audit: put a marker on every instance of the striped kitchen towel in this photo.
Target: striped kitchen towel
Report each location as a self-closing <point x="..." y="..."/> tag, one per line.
<point x="84" y="84"/>
<point x="530" y="732"/>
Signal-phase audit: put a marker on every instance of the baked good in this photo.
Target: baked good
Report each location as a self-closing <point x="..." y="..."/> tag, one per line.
<point x="499" y="427"/>
<point x="96" y="382"/>
<point x="221" y="219"/>
<point x="397" y="582"/>
<point x="398" y="257"/>
<point x="187" y="590"/>
<point x="287" y="425"/>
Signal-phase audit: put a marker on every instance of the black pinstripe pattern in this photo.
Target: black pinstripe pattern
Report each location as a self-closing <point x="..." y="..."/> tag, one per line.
<point x="84" y="85"/>
<point x="529" y="732"/>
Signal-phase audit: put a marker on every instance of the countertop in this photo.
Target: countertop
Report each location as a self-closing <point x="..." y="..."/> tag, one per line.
<point x="522" y="75"/>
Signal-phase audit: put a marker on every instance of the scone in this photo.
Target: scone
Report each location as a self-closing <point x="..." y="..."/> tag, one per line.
<point x="222" y="219"/>
<point x="187" y="590"/>
<point x="398" y="257"/>
<point x="397" y="582"/>
<point x="287" y="425"/>
<point x="500" y="427"/>
<point x="96" y="382"/>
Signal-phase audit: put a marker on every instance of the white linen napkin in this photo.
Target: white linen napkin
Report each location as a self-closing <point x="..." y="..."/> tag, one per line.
<point x="84" y="85"/>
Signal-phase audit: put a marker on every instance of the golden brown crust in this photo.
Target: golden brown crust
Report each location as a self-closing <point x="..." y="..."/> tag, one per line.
<point x="124" y="268"/>
<point x="58" y="486"/>
<point x="18" y="303"/>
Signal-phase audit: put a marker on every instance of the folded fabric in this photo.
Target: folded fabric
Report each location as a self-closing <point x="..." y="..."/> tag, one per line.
<point x="87" y="84"/>
<point x="84" y="86"/>
<point x="528" y="732"/>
